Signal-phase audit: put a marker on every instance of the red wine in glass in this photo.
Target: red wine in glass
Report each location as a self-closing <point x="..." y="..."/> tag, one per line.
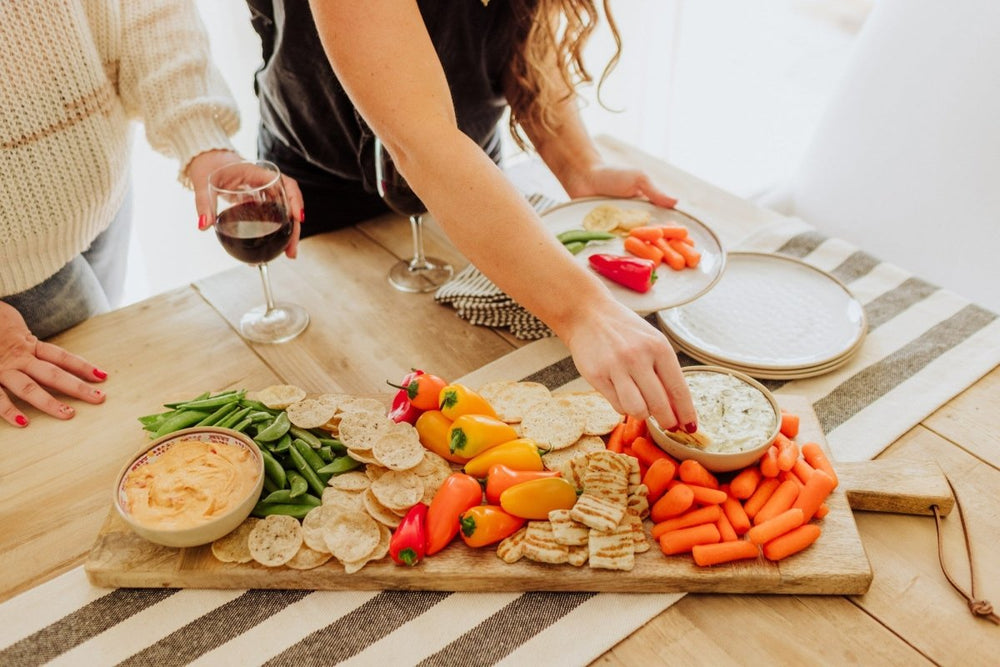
<point x="254" y="232"/>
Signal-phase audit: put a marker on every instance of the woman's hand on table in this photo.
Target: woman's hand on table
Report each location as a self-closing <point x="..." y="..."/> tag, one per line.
<point x="201" y="167"/>
<point x="30" y="368"/>
<point x="632" y="365"/>
<point x="602" y="180"/>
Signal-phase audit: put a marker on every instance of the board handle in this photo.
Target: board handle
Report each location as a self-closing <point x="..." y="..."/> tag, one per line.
<point x="895" y="485"/>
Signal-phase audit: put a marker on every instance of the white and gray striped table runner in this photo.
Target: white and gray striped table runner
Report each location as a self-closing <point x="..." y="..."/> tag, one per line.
<point x="925" y="345"/>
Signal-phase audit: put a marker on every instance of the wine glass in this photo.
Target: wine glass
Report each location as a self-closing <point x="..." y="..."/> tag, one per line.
<point x="421" y="273"/>
<point x="253" y="225"/>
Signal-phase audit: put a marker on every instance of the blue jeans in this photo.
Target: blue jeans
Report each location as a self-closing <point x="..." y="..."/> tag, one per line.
<point x="91" y="283"/>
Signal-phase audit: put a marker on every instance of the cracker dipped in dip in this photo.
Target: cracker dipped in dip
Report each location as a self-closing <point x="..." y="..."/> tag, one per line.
<point x="733" y="416"/>
<point x="190" y="483"/>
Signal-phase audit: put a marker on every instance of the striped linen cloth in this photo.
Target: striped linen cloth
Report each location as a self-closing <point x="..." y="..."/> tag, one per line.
<point x="475" y="298"/>
<point x="925" y="345"/>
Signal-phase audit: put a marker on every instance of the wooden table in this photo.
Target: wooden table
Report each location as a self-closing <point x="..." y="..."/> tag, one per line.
<point x="55" y="477"/>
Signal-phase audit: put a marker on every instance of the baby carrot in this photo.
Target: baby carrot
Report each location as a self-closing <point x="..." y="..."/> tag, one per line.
<point x="814" y="456"/>
<point x="707" y="514"/>
<point x="692" y="472"/>
<point x="788" y="475"/>
<point x="802" y="470"/>
<point x="690" y="255"/>
<point x="671" y="257"/>
<point x="788" y="451"/>
<point x="647" y="232"/>
<point x="813" y="493"/>
<point x="723" y="552"/>
<point x="769" y="462"/>
<point x="674" y="502"/>
<point x="674" y="232"/>
<point x="726" y="529"/>
<point x="615" y="443"/>
<point x="745" y="483"/>
<point x="738" y="518"/>
<point x="706" y="496"/>
<point x="646" y="451"/>
<point x="760" y="496"/>
<point x="823" y="510"/>
<point x="777" y="525"/>
<point x="791" y="542"/>
<point x="656" y="479"/>
<point x="789" y="424"/>
<point x="634" y="427"/>
<point x="641" y="248"/>
<point x="778" y="502"/>
<point x="681" y="540"/>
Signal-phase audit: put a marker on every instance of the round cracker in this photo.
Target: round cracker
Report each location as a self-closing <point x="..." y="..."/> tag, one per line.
<point x="353" y="480"/>
<point x="432" y="463"/>
<point x="511" y="400"/>
<point x="586" y="444"/>
<point x="233" y="547"/>
<point x="381" y="549"/>
<point x="602" y="218"/>
<point x="398" y="490"/>
<point x="630" y="218"/>
<point x="362" y="404"/>
<point x="601" y="417"/>
<point x="555" y="424"/>
<point x="312" y="529"/>
<point x="380" y="512"/>
<point x="307" y="558"/>
<point x="275" y="540"/>
<point x="360" y="429"/>
<point x="399" y="448"/>
<point x="280" y="396"/>
<point x="352" y="501"/>
<point x="350" y="536"/>
<point x="310" y="413"/>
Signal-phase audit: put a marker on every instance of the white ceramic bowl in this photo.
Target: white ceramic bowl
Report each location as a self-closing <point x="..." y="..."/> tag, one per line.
<point x="719" y="461"/>
<point x="199" y="531"/>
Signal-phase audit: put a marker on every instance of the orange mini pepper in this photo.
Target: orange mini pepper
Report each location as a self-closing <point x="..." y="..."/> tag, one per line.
<point x="534" y="499"/>
<point x="432" y="427"/>
<point x="487" y="524"/>
<point x="456" y="400"/>
<point x="519" y="454"/>
<point x="473" y="434"/>
<point x="501" y="477"/>
<point x="457" y="494"/>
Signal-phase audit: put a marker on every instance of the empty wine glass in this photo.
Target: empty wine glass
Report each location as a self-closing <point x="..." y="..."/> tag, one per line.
<point x="421" y="273"/>
<point x="253" y="225"/>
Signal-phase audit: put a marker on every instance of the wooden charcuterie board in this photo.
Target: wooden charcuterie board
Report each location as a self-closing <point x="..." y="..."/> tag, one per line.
<point x="835" y="564"/>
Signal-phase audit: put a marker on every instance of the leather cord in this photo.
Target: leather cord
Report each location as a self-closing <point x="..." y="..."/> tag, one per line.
<point x="978" y="607"/>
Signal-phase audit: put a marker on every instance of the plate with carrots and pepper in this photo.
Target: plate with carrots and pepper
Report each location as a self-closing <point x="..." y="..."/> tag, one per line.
<point x="651" y="258"/>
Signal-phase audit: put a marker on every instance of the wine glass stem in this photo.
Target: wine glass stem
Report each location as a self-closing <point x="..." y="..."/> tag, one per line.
<point x="264" y="278"/>
<point x="419" y="261"/>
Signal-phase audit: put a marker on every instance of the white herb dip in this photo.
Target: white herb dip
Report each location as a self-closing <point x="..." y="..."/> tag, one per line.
<point x="732" y="414"/>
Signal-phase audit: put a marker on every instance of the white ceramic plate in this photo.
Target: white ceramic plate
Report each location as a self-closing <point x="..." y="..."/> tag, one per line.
<point x="672" y="288"/>
<point x="770" y="313"/>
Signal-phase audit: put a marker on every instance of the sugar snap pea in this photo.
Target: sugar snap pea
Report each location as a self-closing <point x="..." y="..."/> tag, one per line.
<point x="229" y="420"/>
<point x="314" y="481"/>
<point x="575" y="246"/>
<point x="178" y="420"/>
<point x="269" y="486"/>
<point x="335" y="445"/>
<point x="325" y="453"/>
<point x="314" y="460"/>
<point x="257" y="405"/>
<point x="297" y="484"/>
<point x="285" y="496"/>
<point x="583" y="235"/>
<point x="262" y="510"/>
<point x="274" y="470"/>
<point x="301" y="433"/>
<point x="276" y="429"/>
<point x="177" y="404"/>
<point x="339" y="465"/>
<point x="218" y="415"/>
<point x="260" y="415"/>
<point x="282" y="445"/>
<point x="242" y="424"/>
<point x="212" y="402"/>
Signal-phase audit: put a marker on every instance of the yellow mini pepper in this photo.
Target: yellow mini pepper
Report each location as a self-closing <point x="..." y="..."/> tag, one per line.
<point x="520" y="454"/>
<point x="473" y="434"/>
<point x="433" y="427"/>
<point x="536" y="498"/>
<point x="456" y="400"/>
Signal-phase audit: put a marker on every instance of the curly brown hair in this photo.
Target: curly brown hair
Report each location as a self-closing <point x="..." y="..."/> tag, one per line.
<point x="547" y="60"/>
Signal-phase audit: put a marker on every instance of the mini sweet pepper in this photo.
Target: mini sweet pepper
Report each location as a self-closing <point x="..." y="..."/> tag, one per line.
<point x="634" y="273"/>
<point x="408" y="543"/>
<point x="470" y="435"/>
<point x="519" y="454"/>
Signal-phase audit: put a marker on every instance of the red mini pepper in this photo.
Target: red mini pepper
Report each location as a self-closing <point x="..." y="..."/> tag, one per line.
<point x="408" y="543"/>
<point x="422" y="389"/>
<point x="635" y="273"/>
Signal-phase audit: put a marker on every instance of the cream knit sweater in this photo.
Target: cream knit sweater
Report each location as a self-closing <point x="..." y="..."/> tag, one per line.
<point x="73" y="73"/>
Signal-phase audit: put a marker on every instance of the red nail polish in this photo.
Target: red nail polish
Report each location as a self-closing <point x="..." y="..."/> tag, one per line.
<point x="302" y="215"/>
<point x="691" y="428"/>
<point x="202" y="221"/>
<point x="21" y="421"/>
<point x="99" y="374"/>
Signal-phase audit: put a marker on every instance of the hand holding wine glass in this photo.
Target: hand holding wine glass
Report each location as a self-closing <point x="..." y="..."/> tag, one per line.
<point x="253" y="224"/>
<point x="420" y="273"/>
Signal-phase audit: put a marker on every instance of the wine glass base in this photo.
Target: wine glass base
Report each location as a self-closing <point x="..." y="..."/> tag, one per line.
<point x="282" y="323"/>
<point x="406" y="277"/>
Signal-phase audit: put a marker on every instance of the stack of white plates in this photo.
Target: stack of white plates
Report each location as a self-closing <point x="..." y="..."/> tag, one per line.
<point x="772" y="317"/>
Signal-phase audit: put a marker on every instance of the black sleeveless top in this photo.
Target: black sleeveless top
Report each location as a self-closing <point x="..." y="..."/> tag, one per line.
<point x="308" y="124"/>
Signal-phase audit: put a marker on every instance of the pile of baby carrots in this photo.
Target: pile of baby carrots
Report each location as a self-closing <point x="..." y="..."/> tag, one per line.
<point x="767" y="508"/>
<point x="670" y="244"/>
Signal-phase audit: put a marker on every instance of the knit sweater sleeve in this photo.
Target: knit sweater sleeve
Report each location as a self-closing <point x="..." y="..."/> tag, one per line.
<point x="167" y="79"/>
